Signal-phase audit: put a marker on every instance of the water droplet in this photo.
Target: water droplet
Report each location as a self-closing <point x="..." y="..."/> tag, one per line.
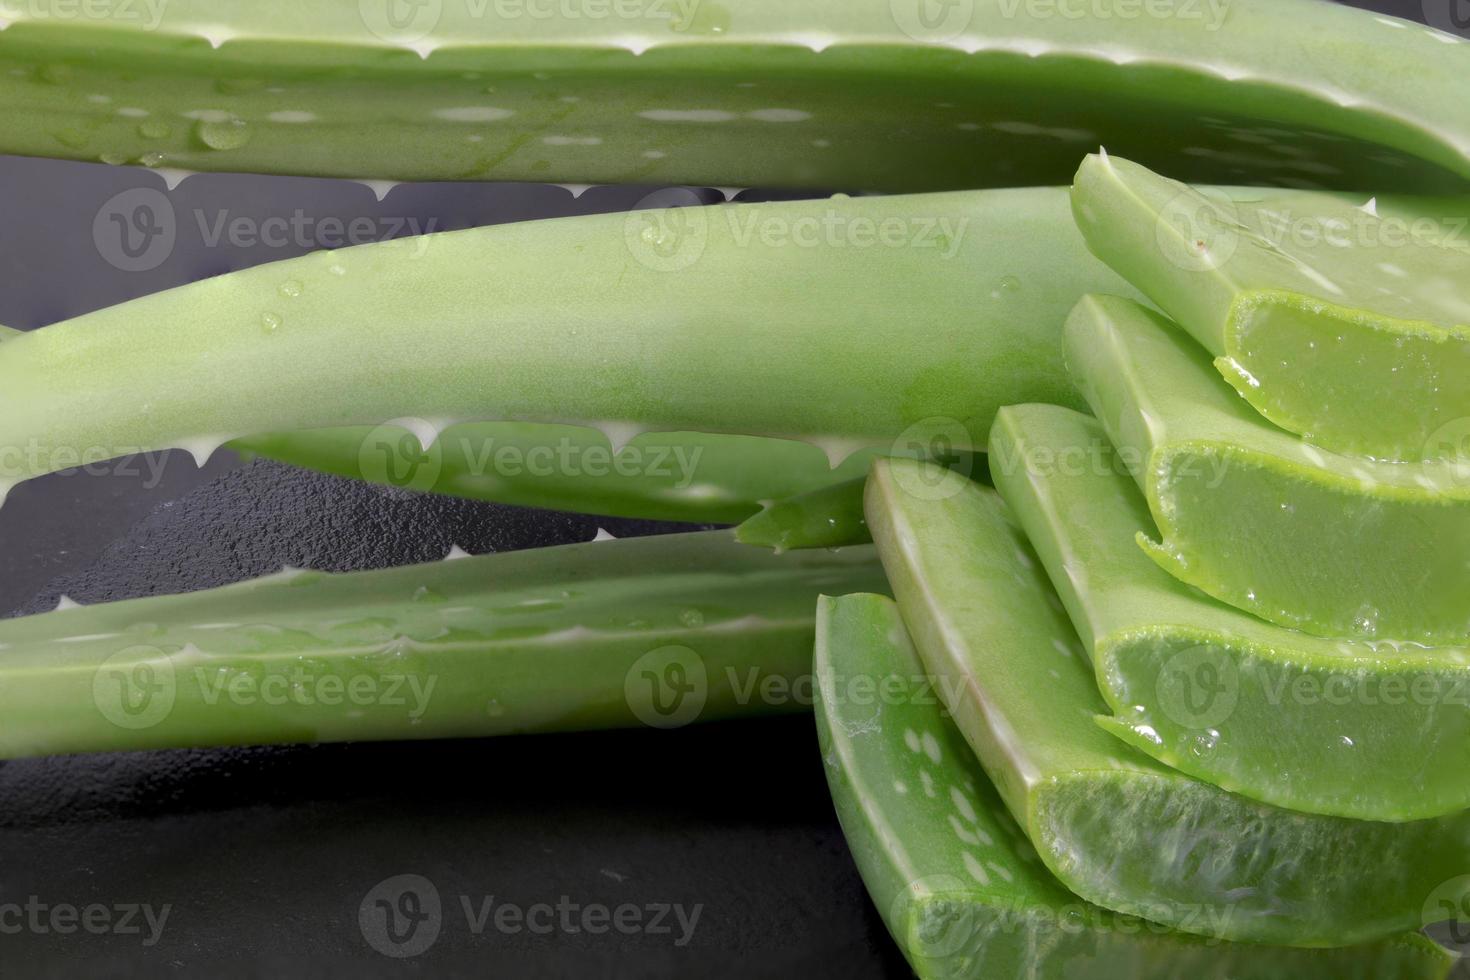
<point x="291" y="288"/>
<point x="231" y="134"/>
<point x="271" y="322"/>
<point x="426" y="594"/>
<point x="155" y="129"/>
<point x="692" y="618"/>
<point x="114" y="159"/>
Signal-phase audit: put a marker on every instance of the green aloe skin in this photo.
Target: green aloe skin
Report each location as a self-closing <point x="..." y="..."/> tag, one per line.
<point x="604" y="321"/>
<point x="961" y="889"/>
<point x="656" y="631"/>
<point x="757" y="92"/>
<point x="1116" y="827"/>
<point x="1352" y="729"/>
<point x="1338" y="546"/>
<point x="673" y="476"/>
<point x="1347" y="324"/>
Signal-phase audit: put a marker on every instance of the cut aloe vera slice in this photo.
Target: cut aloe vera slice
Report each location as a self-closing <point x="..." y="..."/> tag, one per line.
<point x="729" y="319"/>
<point x="676" y="476"/>
<point x="824" y="518"/>
<point x="870" y="94"/>
<point x="1354" y="729"/>
<point x="1347" y="324"/>
<point x="959" y="886"/>
<point x="657" y="631"/>
<point x="1115" y="826"/>
<point x="1335" y="545"/>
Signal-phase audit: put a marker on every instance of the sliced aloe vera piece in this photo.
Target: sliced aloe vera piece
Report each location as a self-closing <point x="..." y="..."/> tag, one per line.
<point x="1345" y="324"/>
<point x="868" y="94"/>
<point x="959" y="886"/>
<point x="676" y="476"/>
<point x="658" y="631"/>
<point x="596" y="321"/>
<point x="1335" y="545"/>
<point x="1115" y="826"/>
<point x="1353" y="729"/>
<point x="824" y="518"/>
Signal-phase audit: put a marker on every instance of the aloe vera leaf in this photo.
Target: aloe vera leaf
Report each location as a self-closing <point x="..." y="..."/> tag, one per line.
<point x="1115" y="826"/>
<point x="1349" y="325"/>
<point x="582" y="321"/>
<point x="832" y="516"/>
<point x="867" y="94"/>
<point x="1335" y="545"/>
<point x="658" y="631"/>
<point x="959" y="886"/>
<point x="1354" y="729"/>
<point x="685" y="476"/>
<point x="827" y="517"/>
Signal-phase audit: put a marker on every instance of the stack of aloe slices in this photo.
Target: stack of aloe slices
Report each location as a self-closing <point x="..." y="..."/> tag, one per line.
<point x="1185" y="693"/>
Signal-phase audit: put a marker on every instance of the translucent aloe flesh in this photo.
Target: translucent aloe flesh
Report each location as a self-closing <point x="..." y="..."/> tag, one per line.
<point x="1355" y="729"/>
<point x="1348" y="324"/>
<point x="675" y="476"/>
<point x="1335" y="545"/>
<point x="1115" y="826"/>
<point x="959" y="886"/>
<point x="656" y="631"/>
<point x="608" y="321"/>
<point x="866" y="94"/>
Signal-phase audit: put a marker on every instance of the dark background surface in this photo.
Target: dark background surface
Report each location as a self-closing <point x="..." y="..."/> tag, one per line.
<point x="265" y="855"/>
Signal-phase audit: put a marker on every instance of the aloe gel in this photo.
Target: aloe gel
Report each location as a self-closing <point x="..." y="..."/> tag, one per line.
<point x="960" y="888"/>
<point x="1333" y="545"/>
<point x="1347" y="322"/>
<point x="657" y="631"/>
<point x="864" y="94"/>
<point x="1116" y="827"/>
<point x="1356" y="729"/>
